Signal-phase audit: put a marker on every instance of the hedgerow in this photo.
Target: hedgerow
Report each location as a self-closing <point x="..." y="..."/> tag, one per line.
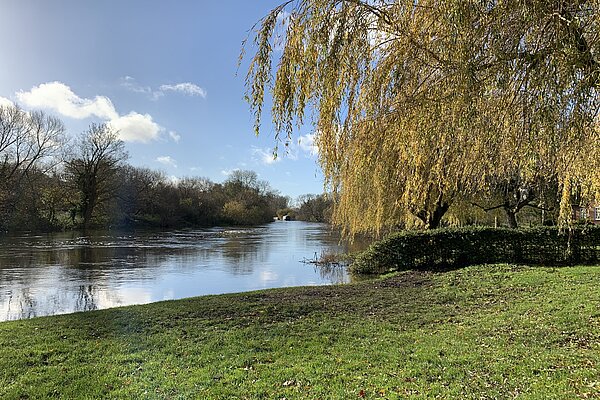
<point x="458" y="247"/>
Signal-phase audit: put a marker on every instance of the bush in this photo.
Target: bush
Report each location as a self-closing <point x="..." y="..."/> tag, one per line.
<point x="458" y="247"/>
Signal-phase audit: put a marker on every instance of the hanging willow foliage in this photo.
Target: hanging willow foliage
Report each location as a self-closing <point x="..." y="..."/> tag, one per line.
<point x="416" y="103"/>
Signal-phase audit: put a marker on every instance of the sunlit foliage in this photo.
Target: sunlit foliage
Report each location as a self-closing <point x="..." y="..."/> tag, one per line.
<point x="416" y="103"/>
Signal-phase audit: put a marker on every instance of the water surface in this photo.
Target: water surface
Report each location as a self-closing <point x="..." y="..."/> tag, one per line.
<point x="65" y="272"/>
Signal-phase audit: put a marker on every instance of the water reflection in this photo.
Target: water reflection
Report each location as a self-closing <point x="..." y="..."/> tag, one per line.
<point x="61" y="273"/>
<point x="334" y="273"/>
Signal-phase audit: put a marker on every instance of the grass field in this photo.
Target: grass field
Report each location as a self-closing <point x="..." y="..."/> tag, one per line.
<point x="481" y="332"/>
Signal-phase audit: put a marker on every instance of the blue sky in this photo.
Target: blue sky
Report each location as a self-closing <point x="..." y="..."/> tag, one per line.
<point x="162" y="72"/>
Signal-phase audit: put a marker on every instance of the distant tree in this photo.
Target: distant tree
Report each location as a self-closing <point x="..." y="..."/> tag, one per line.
<point x="195" y="204"/>
<point x="314" y="208"/>
<point x="211" y="200"/>
<point x="277" y="202"/>
<point x="46" y="185"/>
<point x="136" y="192"/>
<point x="94" y="167"/>
<point x="27" y="140"/>
<point x="52" y="200"/>
<point x="165" y="204"/>
<point x="286" y="212"/>
<point x="416" y="103"/>
<point x="243" y="179"/>
<point x="235" y="212"/>
<point x="192" y="186"/>
<point x="30" y="144"/>
<point x="250" y="200"/>
<point x="512" y="195"/>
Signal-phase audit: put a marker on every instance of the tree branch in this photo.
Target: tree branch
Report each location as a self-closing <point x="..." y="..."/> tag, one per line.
<point x="488" y="208"/>
<point x="550" y="209"/>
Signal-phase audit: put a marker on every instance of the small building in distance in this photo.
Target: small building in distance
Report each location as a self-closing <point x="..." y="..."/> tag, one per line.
<point x="590" y="214"/>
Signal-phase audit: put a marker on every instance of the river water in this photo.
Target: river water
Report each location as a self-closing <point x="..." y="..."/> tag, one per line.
<point x="66" y="272"/>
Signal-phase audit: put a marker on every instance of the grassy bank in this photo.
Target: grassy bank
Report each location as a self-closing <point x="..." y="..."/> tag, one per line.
<point x="480" y="332"/>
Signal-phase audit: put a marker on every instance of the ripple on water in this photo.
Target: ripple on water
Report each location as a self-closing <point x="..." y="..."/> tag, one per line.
<point x="65" y="272"/>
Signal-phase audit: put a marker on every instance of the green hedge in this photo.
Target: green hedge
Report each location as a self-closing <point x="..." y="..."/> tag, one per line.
<point x="458" y="247"/>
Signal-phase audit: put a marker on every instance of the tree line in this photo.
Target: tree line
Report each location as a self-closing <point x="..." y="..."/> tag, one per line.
<point x="48" y="182"/>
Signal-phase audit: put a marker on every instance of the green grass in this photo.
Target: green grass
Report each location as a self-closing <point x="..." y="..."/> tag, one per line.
<point x="480" y="332"/>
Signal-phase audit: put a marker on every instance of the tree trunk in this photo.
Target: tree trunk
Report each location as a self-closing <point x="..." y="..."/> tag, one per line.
<point x="511" y="218"/>
<point x="436" y="216"/>
<point x="87" y="217"/>
<point x="432" y="219"/>
<point x="87" y="210"/>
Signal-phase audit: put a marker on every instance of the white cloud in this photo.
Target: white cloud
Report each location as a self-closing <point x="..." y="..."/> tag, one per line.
<point x="59" y="97"/>
<point x="265" y="156"/>
<point x="167" y="160"/>
<point x="307" y="144"/>
<point x="187" y="88"/>
<point x="131" y="84"/>
<point x="135" y="127"/>
<point x="132" y="127"/>
<point x="175" y="136"/>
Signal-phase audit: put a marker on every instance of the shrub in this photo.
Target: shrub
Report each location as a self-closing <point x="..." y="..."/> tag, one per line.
<point x="458" y="247"/>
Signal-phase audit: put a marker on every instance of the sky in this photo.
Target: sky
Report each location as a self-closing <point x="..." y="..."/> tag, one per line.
<point x="163" y="73"/>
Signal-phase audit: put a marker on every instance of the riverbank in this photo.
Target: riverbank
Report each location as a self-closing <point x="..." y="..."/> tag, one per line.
<point x="484" y="331"/>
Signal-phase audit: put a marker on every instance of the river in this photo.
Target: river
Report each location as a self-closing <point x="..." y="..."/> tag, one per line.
<point x="60" y="273"/>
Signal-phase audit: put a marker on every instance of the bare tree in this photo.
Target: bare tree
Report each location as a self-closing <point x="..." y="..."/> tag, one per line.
<point x="514" y="194"/>
<point x="28" y="141"/>
<point x="94" y="168"/>
<point x="137" y="191"/>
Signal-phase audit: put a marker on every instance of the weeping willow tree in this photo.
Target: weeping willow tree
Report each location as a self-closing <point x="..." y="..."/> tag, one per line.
<point x="417" y="103"/>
